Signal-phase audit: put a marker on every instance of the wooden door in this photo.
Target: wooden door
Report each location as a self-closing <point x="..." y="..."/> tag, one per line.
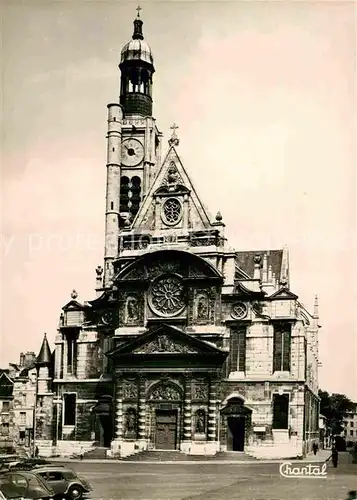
<point x="166" y="428"/>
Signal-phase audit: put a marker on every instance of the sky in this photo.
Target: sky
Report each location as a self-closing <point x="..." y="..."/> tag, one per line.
<point x="264" y="94"/>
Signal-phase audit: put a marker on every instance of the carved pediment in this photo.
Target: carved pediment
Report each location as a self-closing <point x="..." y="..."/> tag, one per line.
<point x="167" y="339"/>
<point x="164" y="345"/>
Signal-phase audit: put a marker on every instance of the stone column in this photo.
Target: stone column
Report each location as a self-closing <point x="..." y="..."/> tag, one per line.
<point x="119" y="423"/>
<point x="187" y="416"/>
<point x="141" y="409"/>
<point x="212" y="411"/>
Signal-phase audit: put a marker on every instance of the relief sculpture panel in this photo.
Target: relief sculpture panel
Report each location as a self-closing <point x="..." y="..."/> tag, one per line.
<point x="200" y="391"/>
<point x="130" y="389"/>
<point x="163" y="344"/>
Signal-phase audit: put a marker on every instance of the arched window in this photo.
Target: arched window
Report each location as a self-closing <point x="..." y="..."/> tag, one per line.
<point x="124" y="194"/>
<point x="135" y="194"/>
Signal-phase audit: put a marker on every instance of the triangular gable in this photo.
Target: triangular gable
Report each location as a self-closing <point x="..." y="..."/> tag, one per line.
<point x="282" y="294"/>
<point x="172" y="175"/>
<point x="73" y="305"/>
<point x="163" y="340"/>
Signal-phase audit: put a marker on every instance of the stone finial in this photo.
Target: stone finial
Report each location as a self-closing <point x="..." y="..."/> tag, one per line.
<point x="74" y="294"/>
<point x="219" y="217"/>
<point x="316" y="307"/>
<point x="257" y="262"/>
<point x="99" y="271"/>
<point x="284" y="282"/>
<point x="265" y="268"/>
<point x="257" y="259"/>
<point x="174" y="140"/>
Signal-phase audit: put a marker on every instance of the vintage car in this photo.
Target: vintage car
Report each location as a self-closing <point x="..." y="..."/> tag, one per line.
<point x="24" y="486"/>
<point x="7" y="461"/>
<point x="64" y="482"/>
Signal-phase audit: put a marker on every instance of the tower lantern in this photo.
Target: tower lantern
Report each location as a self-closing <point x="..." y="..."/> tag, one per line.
<point x="137" y="68"/>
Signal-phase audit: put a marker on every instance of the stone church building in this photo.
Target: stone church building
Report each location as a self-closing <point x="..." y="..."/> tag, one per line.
<point x="187" y="345"/>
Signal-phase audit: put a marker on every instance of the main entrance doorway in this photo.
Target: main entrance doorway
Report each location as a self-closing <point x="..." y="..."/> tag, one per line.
<point x="166" y="429"/>
<point x="236" y="433"/>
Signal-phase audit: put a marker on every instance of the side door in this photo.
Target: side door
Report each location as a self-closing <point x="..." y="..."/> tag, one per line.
<point x="55" y="480"/>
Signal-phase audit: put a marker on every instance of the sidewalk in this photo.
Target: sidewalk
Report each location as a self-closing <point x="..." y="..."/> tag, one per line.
<point x="320" y="456"/>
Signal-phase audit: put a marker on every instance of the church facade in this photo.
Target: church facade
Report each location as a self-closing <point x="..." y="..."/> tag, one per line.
<point x="187" y="345"/>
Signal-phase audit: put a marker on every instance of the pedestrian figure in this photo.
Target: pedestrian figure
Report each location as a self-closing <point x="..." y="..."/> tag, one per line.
<point x="36" y="452"/>
<point x="81" y="453"/>
<point x="334" y="456"/>
<point x="315" y="448"/>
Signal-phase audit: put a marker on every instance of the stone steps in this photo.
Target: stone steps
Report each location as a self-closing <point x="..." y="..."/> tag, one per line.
<point x="96" y="453"/>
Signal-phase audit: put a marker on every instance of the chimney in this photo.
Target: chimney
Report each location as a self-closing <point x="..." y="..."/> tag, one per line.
<point x="22" y="360"/>
<point x="30" y="358"/>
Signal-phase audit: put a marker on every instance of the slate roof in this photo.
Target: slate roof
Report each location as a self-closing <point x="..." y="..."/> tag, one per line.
<point x="245" y="260"/>
<point x="25" y="371"/>
<point x="45" y="355"/>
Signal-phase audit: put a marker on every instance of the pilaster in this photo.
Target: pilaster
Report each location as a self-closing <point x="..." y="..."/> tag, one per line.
<point x="141" y="409"/>
<point x="119" y="419"/>
<point x="187" y="411"/>
<point x="212" y="411"/>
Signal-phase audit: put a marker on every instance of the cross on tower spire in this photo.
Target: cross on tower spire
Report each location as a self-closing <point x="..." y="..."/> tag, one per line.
<point x="138" y="8"/>
<point x="174" y="140"/>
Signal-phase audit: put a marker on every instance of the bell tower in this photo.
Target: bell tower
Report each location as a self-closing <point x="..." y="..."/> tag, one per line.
<point x="134" y="143"/>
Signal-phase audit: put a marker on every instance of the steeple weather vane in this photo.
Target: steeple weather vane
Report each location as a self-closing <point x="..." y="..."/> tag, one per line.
<point x="174" y="140"/>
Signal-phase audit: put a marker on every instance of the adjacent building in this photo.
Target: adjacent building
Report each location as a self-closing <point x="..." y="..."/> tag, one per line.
<point x="188" y="345"/>
<point x="17" y="404"/>
<point x="350" y="430"/>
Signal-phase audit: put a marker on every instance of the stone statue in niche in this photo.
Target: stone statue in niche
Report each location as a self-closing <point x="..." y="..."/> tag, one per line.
<point x="172" y="175"/>
<point x="132" y="313"/>
<point x="130" y="420"/>
<point x="202" y="307"/>
<point x="200" y="422"/>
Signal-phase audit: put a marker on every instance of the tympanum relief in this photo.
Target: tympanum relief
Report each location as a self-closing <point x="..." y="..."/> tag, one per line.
<point x="163" y="344"/>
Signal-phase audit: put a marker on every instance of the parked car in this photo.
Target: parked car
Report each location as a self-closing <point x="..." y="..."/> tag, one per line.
<point x="64" y="482"/>
<point x="7" y="461"/>
<point x="28" y="463"/>
<point x="24" y="486"/>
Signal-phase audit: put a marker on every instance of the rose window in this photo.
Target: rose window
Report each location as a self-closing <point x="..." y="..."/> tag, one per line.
<point x="239" y="310"/>
<point x="167" y="296"/>
<point x="172" y="211"/>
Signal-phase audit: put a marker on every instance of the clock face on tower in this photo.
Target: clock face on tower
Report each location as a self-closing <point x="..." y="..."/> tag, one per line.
<point x="132" y="152"/>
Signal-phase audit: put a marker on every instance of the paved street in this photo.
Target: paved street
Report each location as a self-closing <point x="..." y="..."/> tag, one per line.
<point x="133" y="481"/>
